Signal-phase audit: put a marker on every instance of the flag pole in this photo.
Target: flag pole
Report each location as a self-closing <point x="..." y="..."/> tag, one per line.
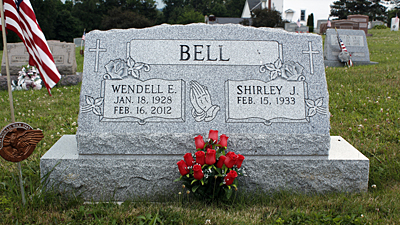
<point x="81" y="52"/>
<point x="5" y="52"/>
<point x="10" y="97"/>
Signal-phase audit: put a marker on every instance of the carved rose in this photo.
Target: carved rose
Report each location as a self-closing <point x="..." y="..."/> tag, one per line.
<point x="116" y="68"/>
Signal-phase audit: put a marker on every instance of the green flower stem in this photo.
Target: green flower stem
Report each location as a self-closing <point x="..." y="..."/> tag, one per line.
<point x="215" y="181"/>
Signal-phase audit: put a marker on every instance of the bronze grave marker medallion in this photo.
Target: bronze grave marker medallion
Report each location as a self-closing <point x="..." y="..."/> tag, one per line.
<point x="18" y="140"/>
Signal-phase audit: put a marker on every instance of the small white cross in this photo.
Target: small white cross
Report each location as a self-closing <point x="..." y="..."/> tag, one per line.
<point x="97" y="50"/>
<point x="310" y="52"/>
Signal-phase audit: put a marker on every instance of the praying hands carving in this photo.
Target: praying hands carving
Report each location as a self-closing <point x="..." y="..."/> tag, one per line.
<point x="203" y="109"/>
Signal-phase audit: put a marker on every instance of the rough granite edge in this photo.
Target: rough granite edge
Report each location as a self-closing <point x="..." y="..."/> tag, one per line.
<point x="251" y="144"/>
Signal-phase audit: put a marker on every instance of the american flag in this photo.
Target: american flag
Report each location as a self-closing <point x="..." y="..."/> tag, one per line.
<point x="298" y="23"/>
<point x="20" y="18"/>
<point x="397" y="19"/>
<point x="344" y="49"/>
<point x="329" y="24"/>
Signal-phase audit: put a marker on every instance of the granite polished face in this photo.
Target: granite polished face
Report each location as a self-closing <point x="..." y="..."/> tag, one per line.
<point x="266" y="87"/>
<point x="146" y="93"/>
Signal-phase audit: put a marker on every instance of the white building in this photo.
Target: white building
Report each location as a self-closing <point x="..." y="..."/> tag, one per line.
<point x="251" y="5"/>
<point x="292" y="10"/>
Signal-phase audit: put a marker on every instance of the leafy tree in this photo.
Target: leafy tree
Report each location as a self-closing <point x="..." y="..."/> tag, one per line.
<point x="373" y="9"/>
<point x="67" y="27"/>
<point x="220" y="8"/>
<point x="310" y="22"/>
<point x="46" y="14"/>
<point x="377" y="11"/>
<point x="146" y="8"/>
<point x="266" y="18"/>
<point x="190" y="16"/>
<point x="89" y="13"/>
<point x="123" y="19"/>
<point x="245" y="22"/>
<point x="234" y="7"/>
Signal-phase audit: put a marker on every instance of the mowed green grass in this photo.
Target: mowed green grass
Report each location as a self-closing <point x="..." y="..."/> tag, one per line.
<point x="364" y="103"/>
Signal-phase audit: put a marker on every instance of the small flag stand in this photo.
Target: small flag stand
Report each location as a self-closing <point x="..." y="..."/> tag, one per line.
<point x="10" y="97"/>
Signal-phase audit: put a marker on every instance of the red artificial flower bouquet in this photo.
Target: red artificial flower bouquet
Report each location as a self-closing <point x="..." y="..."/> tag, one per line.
<point x="212" y="173"/>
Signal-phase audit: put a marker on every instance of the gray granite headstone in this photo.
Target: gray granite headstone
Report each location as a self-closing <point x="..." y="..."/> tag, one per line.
<point x="17" y="57"/>
<point x="376" y="23"/>
<point x="79" y="42"/>
<point x="146" y="93"/>
<point x="63" y="54"/>
<point x="293" y="27"/>
<point x="266" y="89"/>
<point x="355" y="42"/>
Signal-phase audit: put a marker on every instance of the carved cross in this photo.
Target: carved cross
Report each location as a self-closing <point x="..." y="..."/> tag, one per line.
<point x="97" y="50"/>
<point x="310" y="52"/>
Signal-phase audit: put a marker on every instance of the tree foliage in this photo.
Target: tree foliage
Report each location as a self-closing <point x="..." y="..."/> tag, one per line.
<point x="123" y="19"/>
<point x="221" y="8"/>
<point x="65" y="21"/>
<point x="266" y="18"/>
<point x="373" y="9"/>
<point x="310" y="22"/>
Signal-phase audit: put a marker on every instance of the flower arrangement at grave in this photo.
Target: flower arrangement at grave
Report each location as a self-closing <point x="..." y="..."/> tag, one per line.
<point x="212" y="171"/>
<point x="28" y="78"/>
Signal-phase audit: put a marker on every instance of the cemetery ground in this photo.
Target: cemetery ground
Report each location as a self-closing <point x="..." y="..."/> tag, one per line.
<point x="365" y="110"/>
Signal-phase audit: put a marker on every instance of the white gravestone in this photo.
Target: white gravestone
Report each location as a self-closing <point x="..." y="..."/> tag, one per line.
<point x="146" y="93"/>
<point x="395" y="24"/>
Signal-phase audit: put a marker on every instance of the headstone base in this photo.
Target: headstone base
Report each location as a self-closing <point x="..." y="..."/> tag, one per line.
<point x="331" y="63"/>
<point x="127" y="177"/>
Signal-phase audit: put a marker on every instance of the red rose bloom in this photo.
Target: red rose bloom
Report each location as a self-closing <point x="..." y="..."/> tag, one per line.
<point x="239" y="160"/>
<point x="189" y="159"/>
<point x="200" y="157"/>
<point x="221" y="161"/>
<point x="229" y="153"/>
<point x="223" y="140"/>
<point x="230" y="177"/>
<point x="199" y="142"/>
<point x="213" y="135"/>
<point x="230" y="159"/>
<point x="197" y="172"/>
<point x="210" y="157"/>
<point x="182" y="168"/>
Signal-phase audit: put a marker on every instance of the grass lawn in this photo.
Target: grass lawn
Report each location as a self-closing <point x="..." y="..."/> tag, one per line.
<point x="364" y="103"/>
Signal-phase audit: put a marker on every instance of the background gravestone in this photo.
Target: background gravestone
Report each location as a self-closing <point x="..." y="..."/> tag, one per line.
<point x="345" y="24"/>
<point x="63" y="54"/>
<point x="395" y="24"/>
<point x="319" y="23"/>
<point x="146" y="93"/>
<point x="362" y="22"/>
<point x="355" y="42"/>
<point x="79" y="42"/>
<point x="292" y="27"/>
<point x="17" y="57"/>
<point x="376" y="23"/>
